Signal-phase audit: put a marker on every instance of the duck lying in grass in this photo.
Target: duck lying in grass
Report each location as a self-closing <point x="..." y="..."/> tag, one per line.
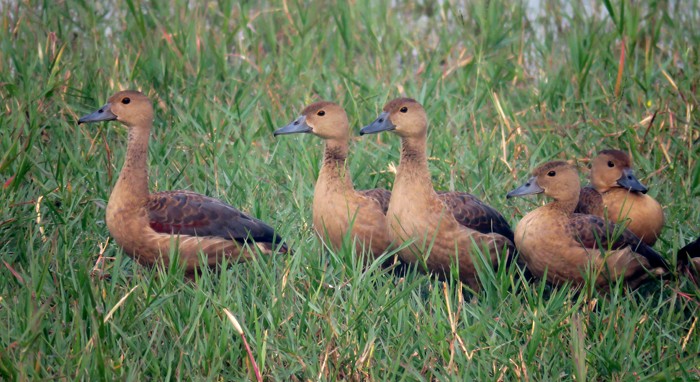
<point x="146" y="225"/>
<point x="555" y="241"/>
<point x="443" y="230"/>
<point x="617" y="194"/>
<point x="337" y="207"/>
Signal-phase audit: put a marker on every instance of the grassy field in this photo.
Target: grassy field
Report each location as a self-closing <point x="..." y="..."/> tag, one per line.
<point x="506" y="87"/>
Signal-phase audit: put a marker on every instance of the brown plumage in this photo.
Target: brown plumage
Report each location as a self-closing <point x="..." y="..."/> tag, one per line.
<point x="616" y="193"/>
<point x="147" y="225"/>
<point x="441" y="229"/>
<point x="381" y="195"/>
<point x="337" y="207"/>
<point x="555" y="240"/>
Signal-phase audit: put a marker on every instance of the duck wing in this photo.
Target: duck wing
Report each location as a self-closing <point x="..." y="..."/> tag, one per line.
<point x="594" y="232"/>
<point x="475" y="214"/>
<point x="381" y="195"/>
<point x="590" y="201"/>
<point x="189" y="213"/>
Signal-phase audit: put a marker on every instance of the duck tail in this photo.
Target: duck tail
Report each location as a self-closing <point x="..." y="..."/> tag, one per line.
<point x="280" y="246"/>
<point x="285" y="250"/>
<point x="654" y="258"/>
<point x="689" y="256"/>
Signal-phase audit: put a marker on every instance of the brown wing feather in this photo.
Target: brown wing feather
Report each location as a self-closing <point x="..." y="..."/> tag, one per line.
<point x="189" y="213"/>
<point x="594" y="232"/>
<point x="466" y="208"/>
<point x="590" y="201"/>
<point x="475" y="214"/>
<point x="381" y="195"/>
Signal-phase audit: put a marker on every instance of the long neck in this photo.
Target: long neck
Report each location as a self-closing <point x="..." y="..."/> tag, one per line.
<point x="132" y="184"/>
<point x="334" y="169"/>
<point x="413" y="167"/>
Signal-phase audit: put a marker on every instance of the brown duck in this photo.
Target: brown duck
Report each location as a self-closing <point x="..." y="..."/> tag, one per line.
<point x="442" y="229"/>
<point x="555" y="240"/>
<point x="337" y="207"/>
<point x="146" y="225"/>
<point x="617" y="194"/>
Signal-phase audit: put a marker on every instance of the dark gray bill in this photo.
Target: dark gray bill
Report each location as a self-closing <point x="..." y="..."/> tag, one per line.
<point x="296" y="127"/>
<point x="630" y="182"/>
<point x="529" y="188"/>
<point x="382" y="123"/>
<point x="103" y="114"/>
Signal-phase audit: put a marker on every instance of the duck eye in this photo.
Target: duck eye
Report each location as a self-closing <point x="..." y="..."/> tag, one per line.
<point x="611" y="164"/>
<point x="126" y="100"/>
<point x="321" y="113"/>
<point x="551" y="173"/>
<point x="404" y="109"/>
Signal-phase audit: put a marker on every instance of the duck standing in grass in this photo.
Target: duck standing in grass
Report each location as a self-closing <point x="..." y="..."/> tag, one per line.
<point x="339" y="209"/>
<point x="147" y="225"/>
<point x="443" y="230"/>
<point x="617" y="194"/>
<point x="554" y="240"/>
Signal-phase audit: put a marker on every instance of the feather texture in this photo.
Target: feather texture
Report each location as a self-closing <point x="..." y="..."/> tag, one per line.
<point x="380" y="195"/>
<point x="471" y="212"/>
<point x="595" y="233"/>
<point x="189" y="213"/>
<point x="590" y="202"/>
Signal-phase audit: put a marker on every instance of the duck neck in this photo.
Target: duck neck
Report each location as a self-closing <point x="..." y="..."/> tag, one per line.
<point x="413" y="167"/>
<point x="565" y="206"/>
<point x="132" y="185"/>
<point x="334" y="168"/>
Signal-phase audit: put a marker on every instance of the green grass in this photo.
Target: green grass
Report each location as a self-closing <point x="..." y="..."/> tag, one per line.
<point x="505" y="90"/>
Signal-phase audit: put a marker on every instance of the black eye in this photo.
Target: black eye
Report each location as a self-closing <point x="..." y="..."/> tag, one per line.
<point x="551" y="173"/>
<point x="126" y="100"/>
<point x="611" y="164"/>
<point x="404" y="109"/>
<point x="321" y="113"/>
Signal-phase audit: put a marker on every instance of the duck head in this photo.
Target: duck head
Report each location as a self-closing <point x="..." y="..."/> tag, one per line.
<point x="558" y="180"/>
<point x="402" y="116"/>
<point x="613" y="168"/>
<point x="129" y="107"/>
<point x="323" y="119"/>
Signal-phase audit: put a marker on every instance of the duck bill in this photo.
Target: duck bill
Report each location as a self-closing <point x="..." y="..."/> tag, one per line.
<point x="103" y="114"/>
<point x="630" y="182"/>
<point x="299" y="126"/>
<point x="529" y="188"/>
<point x="382" y="123"/>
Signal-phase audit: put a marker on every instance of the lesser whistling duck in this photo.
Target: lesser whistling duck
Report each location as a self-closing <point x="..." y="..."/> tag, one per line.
<point x="441" y="228"/>
<point x="337" y="206"/>
<point x="615" y="188"/>
<point x="555" y="240"/>
<point x="145" y="225"/>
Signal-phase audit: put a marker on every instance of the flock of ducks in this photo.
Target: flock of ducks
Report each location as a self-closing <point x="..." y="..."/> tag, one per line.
<point x="606" y="228"/>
